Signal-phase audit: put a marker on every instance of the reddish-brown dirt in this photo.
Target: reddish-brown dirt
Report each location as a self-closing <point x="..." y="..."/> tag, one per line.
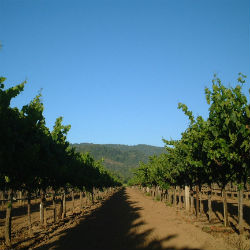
<point x="127" y="220"/>
<point x="130" y="220"/>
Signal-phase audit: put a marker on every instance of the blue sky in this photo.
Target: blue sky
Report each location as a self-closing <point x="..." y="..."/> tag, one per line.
<point x="116" y="69"/>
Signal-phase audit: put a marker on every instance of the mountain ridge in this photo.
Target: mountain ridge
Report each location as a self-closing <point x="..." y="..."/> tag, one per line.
<point x="119" y="158"/>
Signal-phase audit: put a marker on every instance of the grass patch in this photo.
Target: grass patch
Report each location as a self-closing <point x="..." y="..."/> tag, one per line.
<point x="158" y="198"/>
<point x="168" y="204"/>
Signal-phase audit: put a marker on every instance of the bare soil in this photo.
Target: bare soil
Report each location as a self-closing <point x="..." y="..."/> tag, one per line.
<point x="125" y="220"/>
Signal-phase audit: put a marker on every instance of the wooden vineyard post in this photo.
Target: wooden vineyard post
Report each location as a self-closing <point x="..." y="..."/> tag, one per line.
<point x="80" y="200"/>
<point x="169" y="196"/>
<point x="8" y="218"/>
<point x="180" y="201"/>
<point x="192" y="200"/>
<point x="201" y="204"/>
<point x="2" y="198"/>
<point x="163" y="195"/>
<point x="28" y="212"/>
<point x="197" y="201"/>
<point x="42" y="207"/>
<point x="240" y="209"/>
<point x="209" y="203"/>
<point x="54" y="207"/>
<point x="73" y="201"/>
<point x="45" y="211"/>
<point x="162" y="192"/>
<point x="184" y="198"/>
<point x="174" y="196"/>
<point x="225" y="211"/>
<point x="187" y="207"/>
<point x="64" y="205"/>
<point x="20" y="198"/>
<point x="60" y="212"/>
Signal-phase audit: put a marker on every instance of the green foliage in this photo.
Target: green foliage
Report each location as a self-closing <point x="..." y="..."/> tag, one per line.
<point x="212" y="150"/>
<point x="228" y="145"/>
<point x="32" y="157"/>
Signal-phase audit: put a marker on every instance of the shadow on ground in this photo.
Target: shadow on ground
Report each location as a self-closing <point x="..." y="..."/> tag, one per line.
<point x="110" y="227"/>
<point x="217" y="209"/>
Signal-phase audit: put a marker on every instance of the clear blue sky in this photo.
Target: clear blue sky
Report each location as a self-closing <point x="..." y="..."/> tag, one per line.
<point x="116" y="69"/>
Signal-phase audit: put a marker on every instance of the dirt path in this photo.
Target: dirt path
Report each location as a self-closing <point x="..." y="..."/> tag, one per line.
<point x="129" y="221"/>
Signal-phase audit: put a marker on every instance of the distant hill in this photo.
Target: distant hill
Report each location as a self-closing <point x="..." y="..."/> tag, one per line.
<point x="119" y="158"/>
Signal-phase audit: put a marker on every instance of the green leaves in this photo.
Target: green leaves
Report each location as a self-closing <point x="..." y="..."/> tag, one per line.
<point x="2" y="79"/>
<point x="7" y="179"/>
<point x="60" y="131"/>
<point x="241" y="78"/>
<point x="32" y="157"/>
<point x="208" y="95"/>
<point x="247" y="112"/>
<point x="212" y="150"/>
<point x="228" y="127"/>
<point x="7" y="95"/>
<point x="186" y="111"/>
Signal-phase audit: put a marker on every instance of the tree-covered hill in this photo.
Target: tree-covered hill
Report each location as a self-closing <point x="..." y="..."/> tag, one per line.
<point x="119" y="158"/>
